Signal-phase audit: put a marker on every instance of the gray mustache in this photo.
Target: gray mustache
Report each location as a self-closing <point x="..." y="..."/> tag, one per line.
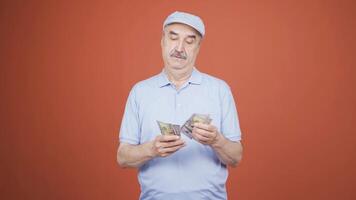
<point x="178" y="54"/>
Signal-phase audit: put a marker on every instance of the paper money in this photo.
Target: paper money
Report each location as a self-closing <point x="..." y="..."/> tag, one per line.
<point x="188" y="126"/>
<point x="168" y="129"/>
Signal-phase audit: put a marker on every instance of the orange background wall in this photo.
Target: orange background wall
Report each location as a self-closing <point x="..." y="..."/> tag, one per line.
<point x="67" y="68"/>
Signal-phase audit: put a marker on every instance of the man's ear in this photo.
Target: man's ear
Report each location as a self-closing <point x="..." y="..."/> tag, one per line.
<point x="200" y="40"/>
<point x="198" y="48"/>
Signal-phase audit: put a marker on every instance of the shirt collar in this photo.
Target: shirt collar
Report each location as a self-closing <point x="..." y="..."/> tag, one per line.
<point x="195" y="78"/>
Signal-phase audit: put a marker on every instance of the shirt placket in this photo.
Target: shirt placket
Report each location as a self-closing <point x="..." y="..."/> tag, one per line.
<point x="178" y="102"/>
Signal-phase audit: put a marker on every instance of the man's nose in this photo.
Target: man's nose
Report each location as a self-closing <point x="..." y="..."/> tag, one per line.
<point x="180" y="46"/>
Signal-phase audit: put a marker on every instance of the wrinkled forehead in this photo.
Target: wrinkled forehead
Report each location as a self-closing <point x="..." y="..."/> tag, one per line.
<point x="182" y="30"/>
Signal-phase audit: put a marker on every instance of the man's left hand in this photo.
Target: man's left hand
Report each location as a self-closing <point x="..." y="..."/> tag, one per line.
<point x="205" y="133"/>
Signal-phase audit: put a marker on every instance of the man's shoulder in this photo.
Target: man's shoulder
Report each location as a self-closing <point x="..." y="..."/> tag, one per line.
<point x="213" y="81"/>
<point x="145" y="84"/>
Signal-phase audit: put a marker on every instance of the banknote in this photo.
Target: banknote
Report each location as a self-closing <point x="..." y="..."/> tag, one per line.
<point x="168" y="128"/>
<point x="188" y="126"/>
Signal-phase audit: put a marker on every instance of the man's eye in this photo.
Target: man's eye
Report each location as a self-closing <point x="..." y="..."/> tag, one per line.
<point x="190" y="41"/>
<point x="173" y="37"/>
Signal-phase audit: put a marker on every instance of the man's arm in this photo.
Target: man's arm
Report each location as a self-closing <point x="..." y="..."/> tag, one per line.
<point x="129" y="155"/>
<point x="229" y="152"/>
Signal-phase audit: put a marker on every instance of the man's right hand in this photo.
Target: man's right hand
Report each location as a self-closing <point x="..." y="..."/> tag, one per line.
<point x="165" y="145"/>
<point x="129" y="155"/>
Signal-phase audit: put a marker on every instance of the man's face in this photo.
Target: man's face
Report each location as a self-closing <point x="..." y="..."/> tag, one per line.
<point x="180" y="46"/>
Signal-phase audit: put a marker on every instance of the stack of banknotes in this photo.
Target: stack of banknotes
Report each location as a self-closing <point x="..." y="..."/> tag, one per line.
<point x="187" y="128"/>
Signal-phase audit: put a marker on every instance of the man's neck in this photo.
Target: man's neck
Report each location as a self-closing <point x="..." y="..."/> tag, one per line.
<point x="178" y="77"/>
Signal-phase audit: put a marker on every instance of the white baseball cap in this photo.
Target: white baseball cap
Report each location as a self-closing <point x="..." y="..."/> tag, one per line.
<point x="186" y="18"/>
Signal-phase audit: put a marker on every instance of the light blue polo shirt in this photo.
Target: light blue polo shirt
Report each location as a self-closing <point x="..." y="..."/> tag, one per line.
<point x="193" y="172"/>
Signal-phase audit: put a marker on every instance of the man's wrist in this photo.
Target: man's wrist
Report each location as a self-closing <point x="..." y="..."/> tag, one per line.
<point x="149" y="149"/>
<point x="220" y="141"/>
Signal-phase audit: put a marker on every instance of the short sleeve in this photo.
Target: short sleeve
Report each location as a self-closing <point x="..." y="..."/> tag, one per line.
<point x="230" y="125"/>
<point x="129" y="131"/>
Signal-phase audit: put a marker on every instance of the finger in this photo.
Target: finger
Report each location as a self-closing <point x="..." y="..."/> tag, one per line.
<point x="204" y="132"/>
<point x="165" y="154"/>
<point x="207" y="127"/>
<point x="173" y="143"/>
<point x="174" y="149"/>
<point x="170" y="149"/>
<point x="159" y="146"/>
<point x="166" y="138"/>
<point x="201" y="138"/>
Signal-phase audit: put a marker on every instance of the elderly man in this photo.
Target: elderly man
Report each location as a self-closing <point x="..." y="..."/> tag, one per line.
<point x="171" y="166"/>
